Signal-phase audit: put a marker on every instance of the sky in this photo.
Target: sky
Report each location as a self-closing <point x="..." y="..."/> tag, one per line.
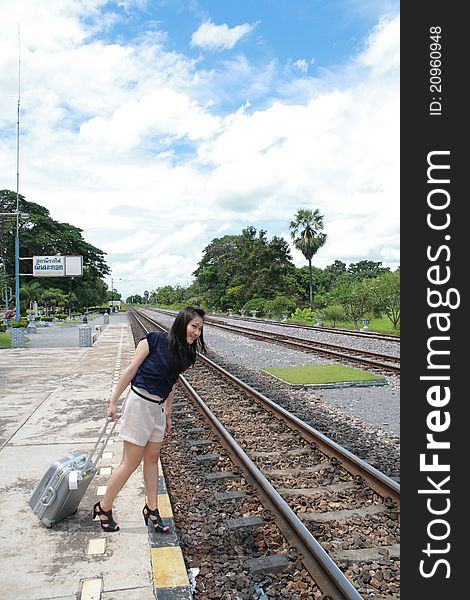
<point x="158" y="126"/>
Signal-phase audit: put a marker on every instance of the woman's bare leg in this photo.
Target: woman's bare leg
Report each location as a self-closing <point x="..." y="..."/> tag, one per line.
<point x="131" y="457"/>
<point x="151" y="456"/>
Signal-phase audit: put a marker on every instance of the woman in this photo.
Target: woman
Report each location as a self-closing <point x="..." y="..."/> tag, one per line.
<point x="153" y="372"/>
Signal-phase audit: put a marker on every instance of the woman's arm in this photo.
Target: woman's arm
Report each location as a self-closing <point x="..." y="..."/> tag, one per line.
<point x="141" y="353"/>
<point x="167" y="407"/>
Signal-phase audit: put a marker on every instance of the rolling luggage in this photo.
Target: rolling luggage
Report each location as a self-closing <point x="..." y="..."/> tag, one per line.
<point x="65" y="482"/>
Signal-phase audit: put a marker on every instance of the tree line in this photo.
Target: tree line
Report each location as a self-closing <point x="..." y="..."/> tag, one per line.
<point x="249" y="273"/>
<point x="246" y="272"/>
<point x="40" y="235"/>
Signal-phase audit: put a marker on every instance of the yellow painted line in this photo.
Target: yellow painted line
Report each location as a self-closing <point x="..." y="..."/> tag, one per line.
<point x="96" y="546"/>
<point x="164" y="506"/>
<point x="91" y="589"/>
<point x="169" y="569"/>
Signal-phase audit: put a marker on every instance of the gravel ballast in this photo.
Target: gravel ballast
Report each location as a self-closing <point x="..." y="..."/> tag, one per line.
<point x="366" y="420"/>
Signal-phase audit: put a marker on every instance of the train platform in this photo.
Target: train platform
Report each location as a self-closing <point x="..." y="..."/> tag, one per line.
<point x="53" y="401"/>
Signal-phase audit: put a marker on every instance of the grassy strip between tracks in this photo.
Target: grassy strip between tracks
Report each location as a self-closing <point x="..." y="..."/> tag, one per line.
<point x="375" y="326"/>
<point x="312" y="374"/>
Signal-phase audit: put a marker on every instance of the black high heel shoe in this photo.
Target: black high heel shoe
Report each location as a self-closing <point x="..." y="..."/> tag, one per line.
<point x="157" y="523"/>
<point x="108" y="525"/>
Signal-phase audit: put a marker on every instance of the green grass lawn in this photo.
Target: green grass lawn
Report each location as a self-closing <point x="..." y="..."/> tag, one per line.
<point x="375" y="325"/>
<point x="5" y="340"/>
<point x="314" y="374"/>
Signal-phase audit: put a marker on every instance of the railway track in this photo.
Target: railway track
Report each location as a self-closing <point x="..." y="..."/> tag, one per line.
<point x="324" y="328"/>
<point x="340" y="514"/>
<point x="314" y="328"/>
<point x="372" y="360"/>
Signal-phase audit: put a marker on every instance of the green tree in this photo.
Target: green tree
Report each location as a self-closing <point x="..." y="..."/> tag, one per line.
<point x="308" y="237"/>
<point x="356" y="297"/>
<point x="281" y="305"/>
<point x="168" y="295"/>
<point x="3" y="286"/>
<point x="386" y="292"/>
<point x="334" y="313"/>
<point x="330" y="274"/>
<point x="237" y="268"/>
<point x="90" y="289"/>
<point x="40" y="235"/>
<point x="51" y="298"/>
<point x="366" y="269"/>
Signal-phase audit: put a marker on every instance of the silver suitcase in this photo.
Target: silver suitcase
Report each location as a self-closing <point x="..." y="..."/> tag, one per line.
<point x="65" y="482"/>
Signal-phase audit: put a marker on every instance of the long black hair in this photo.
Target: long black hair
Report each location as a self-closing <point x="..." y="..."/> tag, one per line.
<point x="178" y="347"/>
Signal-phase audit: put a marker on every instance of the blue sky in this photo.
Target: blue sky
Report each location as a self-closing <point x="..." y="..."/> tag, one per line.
<point x="158" y="126"/>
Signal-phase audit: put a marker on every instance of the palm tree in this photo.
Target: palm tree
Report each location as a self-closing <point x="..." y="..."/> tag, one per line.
<point x="306" y="232"/>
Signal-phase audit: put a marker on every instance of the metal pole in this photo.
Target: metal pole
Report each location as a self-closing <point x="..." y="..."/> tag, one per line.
<point x="17" y="278"/>
<point x="17" y="238"/>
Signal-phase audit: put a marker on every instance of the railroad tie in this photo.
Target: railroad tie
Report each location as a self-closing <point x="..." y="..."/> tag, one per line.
<point x="221" y="475"/>
<point x="246" y="522"/>
<point x="334" y="487"/>
<point x="338" y="515"/>
<point x="225" y="496"/>
<point x="208" y="457"/>
<point x="274" y="563"/>
<point x="378" y="554"/>
<point x="198" y="443"/>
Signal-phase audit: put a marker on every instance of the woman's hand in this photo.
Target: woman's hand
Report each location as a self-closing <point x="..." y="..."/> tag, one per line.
<point x="112" y="410"/>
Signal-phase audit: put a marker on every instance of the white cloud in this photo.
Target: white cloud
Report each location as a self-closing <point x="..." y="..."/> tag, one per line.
<point x="128" y="142"/>
<point x="138" y="241"/>
<point x="301" y="65"/>
<point x="219" y="37"/>
<point x="158" y="113"/>
<point x="382" y="52"/>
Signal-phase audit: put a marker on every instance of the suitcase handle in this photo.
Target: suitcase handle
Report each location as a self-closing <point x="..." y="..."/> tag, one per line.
<point x="80" y="462"/>
<point x="102" y="441"/>
<point x="45" y="501"/>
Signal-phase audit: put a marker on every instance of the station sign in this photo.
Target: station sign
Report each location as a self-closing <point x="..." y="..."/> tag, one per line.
<point x="57" y="266"/>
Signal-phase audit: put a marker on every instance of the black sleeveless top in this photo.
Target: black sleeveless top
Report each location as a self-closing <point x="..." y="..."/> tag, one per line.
<point x="155" y="374"/>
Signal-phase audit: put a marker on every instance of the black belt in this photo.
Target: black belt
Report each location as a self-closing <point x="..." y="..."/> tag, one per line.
<point x="146" y="397"/>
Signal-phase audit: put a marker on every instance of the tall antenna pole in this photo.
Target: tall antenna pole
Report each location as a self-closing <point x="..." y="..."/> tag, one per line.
<point x="17" y="237"/>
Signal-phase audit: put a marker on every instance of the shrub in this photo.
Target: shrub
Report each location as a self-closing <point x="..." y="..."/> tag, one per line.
<point x="334" y="313"/>
<point x="21" y="323"/>
<point x="257" y="304"/>
<point x="303" y="314"/>
<point x="279" y="306"/>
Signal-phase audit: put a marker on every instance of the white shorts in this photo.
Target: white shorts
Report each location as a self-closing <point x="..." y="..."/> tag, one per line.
<point x="142" y="421"/>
